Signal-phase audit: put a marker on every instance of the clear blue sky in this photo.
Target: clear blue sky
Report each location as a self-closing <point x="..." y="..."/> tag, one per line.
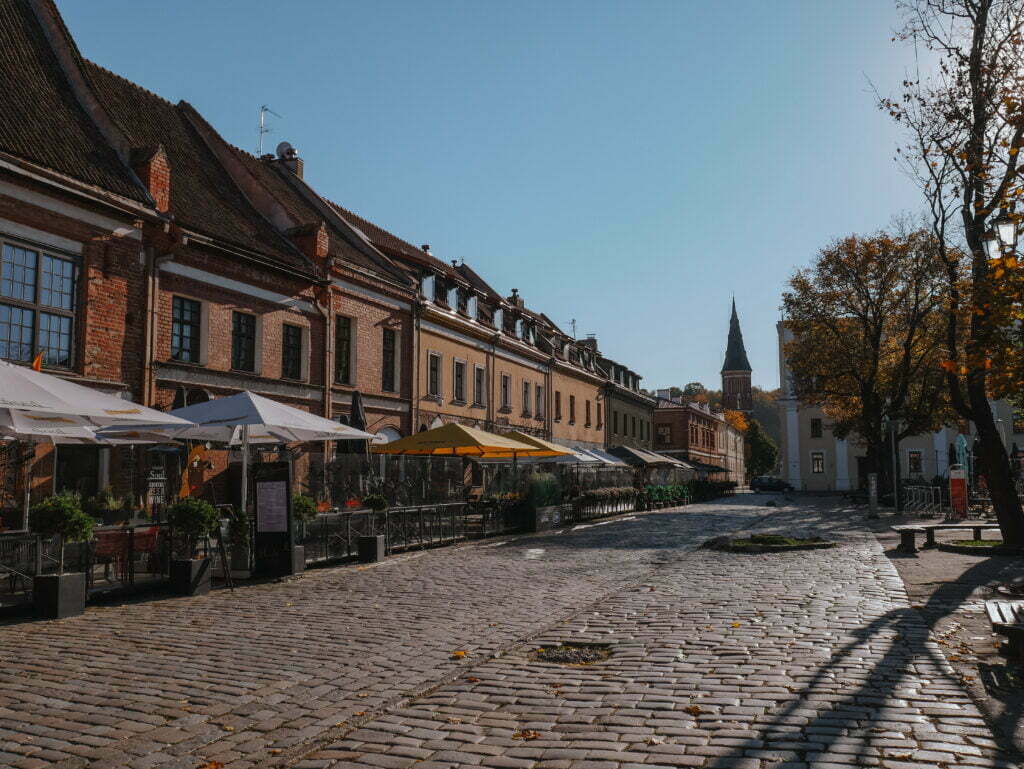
<point x="631" y="165"/>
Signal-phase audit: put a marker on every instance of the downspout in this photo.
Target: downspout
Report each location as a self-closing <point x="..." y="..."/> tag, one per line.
<point x="328" y="369"/>
<point x="493" y="386"/>
<point x="414" y="411"/>
<point x="549" y="400"/>
<point x="153" y="264"/>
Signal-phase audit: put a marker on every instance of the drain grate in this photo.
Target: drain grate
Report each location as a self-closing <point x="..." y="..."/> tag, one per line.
<point x="573" y="653"/>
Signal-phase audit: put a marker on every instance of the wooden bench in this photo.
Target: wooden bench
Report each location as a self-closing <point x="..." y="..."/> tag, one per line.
<point x="908" y="533"/>
<point x="1007" y="618"/>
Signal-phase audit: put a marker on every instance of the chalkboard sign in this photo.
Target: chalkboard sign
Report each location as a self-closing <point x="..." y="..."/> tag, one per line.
<point x="272" y="549"/>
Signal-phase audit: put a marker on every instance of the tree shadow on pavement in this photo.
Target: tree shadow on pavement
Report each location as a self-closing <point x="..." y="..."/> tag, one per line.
<point x="859" y="717"/>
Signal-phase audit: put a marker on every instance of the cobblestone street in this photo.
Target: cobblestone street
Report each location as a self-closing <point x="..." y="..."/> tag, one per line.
<point x="810" y="659"/>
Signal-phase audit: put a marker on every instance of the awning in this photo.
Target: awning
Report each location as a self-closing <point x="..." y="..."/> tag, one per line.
<point x="642" y="458"/>
<point x="704" y="467"/>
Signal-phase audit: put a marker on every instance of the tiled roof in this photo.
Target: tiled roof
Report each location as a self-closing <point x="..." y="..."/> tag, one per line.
<point x="343" y="245"/>
<point x="203" y="197"/>
<point x="41" y="121"/>
<point x="394" y="246"/>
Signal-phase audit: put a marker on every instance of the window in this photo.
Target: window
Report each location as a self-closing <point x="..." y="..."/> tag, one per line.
<point x="39" y="314"/>
<point x="665" y="435"/>
<point x="558" y="406"/>
<point x="526" y="399"/>
<point x="291" y="351"/>
<point x="815" y="428"/>
<point x="586" y="413"/>
<point x="459" y="382"/>
<point x="506" y="392"/>
<point x="600" y="416"/>
<point x="434" y="375"/>
<point x="915" y="462"/>
<point x="243" y="341"/>
<point x="343" y="350"/>
<point x="185" y="329"/>
<point x="538" y="410"/>
<point x="633" y="422"/>
<point x="572" y="409"/>
<point x="817" y="462"/>
<point x="615" y="422"/>
<point x="479" y="386"/>
<point x="440" y="291"/>
<point x="390" y="351"/>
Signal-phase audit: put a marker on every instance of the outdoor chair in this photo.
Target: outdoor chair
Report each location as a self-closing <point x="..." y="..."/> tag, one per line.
<point x="111" y="549"/>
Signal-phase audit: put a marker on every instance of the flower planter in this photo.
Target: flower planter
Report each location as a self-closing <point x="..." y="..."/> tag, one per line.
<point x="56" y="596"/>
<point x="240" y="562"/>
<point x="371" y="549"/>
<point x="191" y="577"/>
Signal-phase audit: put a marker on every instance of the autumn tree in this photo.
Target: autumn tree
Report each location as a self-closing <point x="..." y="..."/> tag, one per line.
<point x="762" y="452"/>
<point x="865" y="338"/>
<point x="965" y="130"/>
<point x="737" y="420"/>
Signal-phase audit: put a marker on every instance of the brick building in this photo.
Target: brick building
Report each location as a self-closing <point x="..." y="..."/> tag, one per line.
<point x="696" y="434"/>
<point x="145" y="255"/>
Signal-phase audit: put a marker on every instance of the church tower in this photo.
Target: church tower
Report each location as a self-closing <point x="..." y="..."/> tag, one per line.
<point x="736" y="393"/>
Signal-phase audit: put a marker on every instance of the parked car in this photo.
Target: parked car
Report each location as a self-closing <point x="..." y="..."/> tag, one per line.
<point x="768" y="483"/>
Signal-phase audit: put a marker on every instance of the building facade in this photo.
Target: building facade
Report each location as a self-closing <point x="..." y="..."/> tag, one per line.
<point x="814" y="459"/>
<point x="630" y="411"/>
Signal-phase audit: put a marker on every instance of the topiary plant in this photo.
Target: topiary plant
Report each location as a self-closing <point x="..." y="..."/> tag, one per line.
<point x="61" y="515"/>
<point x="192" y="518"/>
<point x="303" y="508"/>
<point x="376" y="502"/>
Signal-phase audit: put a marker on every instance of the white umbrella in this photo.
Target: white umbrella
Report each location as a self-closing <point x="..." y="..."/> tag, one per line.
<point x="31" y="400"/>
<point x="245" y="418"/>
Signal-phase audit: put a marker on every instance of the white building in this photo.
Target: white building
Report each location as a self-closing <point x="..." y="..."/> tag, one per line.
<point x="813" y="459"/>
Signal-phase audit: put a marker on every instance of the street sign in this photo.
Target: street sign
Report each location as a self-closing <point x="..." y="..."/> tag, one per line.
<point x="272" y="546"/>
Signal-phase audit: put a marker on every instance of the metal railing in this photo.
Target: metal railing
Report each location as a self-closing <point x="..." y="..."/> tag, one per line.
<point x="925" y="500"/>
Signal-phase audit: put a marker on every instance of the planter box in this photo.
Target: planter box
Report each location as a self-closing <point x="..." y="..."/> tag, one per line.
<point x="240" y="560"/>
<point x="57" y="596"/>
<point x="371" y="549"/>
<point x="191" y="577"/>
<point x="544" y="518"/>
<point x="298" y="559"/>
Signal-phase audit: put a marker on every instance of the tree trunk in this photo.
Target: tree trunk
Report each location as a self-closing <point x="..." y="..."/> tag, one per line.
<point x="997" y="468"/>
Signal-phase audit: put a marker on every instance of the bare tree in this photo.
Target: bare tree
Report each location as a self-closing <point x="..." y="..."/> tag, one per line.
<point x="965" y="129"/>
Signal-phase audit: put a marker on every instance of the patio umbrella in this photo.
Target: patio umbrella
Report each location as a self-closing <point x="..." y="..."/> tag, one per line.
<point x="34" y="403"/>
<point x="455" y="440"/>
<point x="245" y="418"/>
<point x="544" y="448"/>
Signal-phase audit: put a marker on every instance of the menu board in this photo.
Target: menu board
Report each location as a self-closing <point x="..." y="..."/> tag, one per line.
<point x="271" y="506"/>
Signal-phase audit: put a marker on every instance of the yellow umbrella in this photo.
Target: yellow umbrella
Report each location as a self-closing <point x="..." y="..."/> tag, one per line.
<point x="455" y="440"/>
<point x="544" y="448"/>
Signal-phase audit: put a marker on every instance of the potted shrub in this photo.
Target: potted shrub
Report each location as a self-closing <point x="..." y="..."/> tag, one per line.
<point x="238" y="541"/>
<point x="304" y="511"/>
<point x="373" y="547"/>
<point x="191" y="520"/>
<point x="60" y="595"/>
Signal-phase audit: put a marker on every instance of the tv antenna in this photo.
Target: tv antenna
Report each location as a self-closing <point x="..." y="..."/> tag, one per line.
<point x="264" y="109"/>
<point x="573" y="324"/>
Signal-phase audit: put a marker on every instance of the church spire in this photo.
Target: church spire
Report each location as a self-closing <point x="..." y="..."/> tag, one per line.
<point x="735" y="352"/>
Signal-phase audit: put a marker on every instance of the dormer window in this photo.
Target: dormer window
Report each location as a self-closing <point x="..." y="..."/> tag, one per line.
<point x="440" y="291"/>
<point x="427" y="286"/>
<point x="452" y="298"/>
<point x="472" y="305"/>
<point x="499" y="319"/>
<point x="462" y="297"/>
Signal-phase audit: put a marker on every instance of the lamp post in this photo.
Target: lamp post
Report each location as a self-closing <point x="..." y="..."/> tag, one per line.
<point x="892" y="424"/>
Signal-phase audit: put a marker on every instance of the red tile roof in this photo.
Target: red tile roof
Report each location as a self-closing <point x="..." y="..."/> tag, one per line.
<point x="41" y="120"/>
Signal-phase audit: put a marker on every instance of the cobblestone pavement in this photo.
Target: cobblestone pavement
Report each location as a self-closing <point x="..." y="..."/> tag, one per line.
<point x="255" y="676"/>
<point x="718" y="660"/>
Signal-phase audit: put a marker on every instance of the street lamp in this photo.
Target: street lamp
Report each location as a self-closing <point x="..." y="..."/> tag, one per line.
<point x="991" y="244"/>
<point x="1006" y="230"/>
<point x="893" y="425"/>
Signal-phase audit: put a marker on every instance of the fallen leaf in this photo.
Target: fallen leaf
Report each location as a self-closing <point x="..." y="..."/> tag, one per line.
<point x="735" y="624"/>
<point x="473" y="679"/>
<point x="363" y="694"/>
<point x="227" y="728"/>
<point x="458" y="655"/>
<point x="526" y="734"/>
<point x="212" y="765"/>
<point x="693" y="710"/>
<point x="276" y="751"/>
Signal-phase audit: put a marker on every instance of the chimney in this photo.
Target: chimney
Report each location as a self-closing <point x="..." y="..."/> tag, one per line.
<point x="151" y="166"/>
<point x="665" y="394"/>
<point x="590" y="341"/>
<point x="289" y="156"/>
<point x="425" y="248"/>
<point x="515" y="300"/>
<point x="312" y="240"/>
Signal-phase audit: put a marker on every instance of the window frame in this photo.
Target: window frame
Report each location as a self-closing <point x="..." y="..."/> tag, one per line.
<point x="350" y="358"/>
<point x="816" y="455"/>
<point x="572" y="409"/>
<point x="175" y="299"/>
<point x="527" y="398"/>
<point x="389" y="363"/>
<point x="235" y="316"/>
<point x="558" y="405"/>
<point x="538" y="397"/>
<point x="911" y="454"/>
<point x="434" y="372"/>
<point x="479" y="385"/>
<point x="458" y="365"/>
<point x="816" y="427"/>
<point x="506" y="393"/>
<point x="285" y="373"/>
<point x="38" y="308"/>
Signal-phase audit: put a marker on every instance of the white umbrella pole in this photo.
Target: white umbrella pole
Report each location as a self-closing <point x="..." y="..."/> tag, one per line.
<point x="245" y="469"/>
